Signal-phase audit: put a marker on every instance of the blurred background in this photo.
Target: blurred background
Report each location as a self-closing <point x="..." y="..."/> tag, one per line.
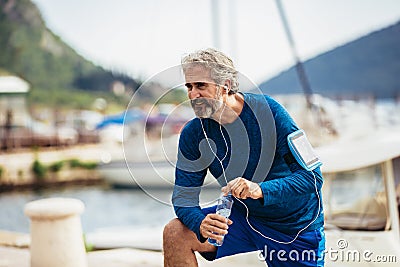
<point x="73" y="72"/>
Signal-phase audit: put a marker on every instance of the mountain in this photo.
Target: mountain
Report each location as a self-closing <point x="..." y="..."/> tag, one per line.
<point x="368" y="66"/>
<point x="30" y="50"/>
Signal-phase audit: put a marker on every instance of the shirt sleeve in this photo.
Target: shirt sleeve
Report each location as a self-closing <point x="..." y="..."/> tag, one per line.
<point x="300" y="181"/>
<point x="189" y="177"/>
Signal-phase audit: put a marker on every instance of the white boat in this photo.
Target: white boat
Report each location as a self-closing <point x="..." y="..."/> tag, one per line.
<point x="361" y="201"/>
<point x="138" y="162"/>
<point x="144" y="174"/>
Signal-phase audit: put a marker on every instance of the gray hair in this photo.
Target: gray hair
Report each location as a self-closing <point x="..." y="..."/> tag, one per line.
<point x="220" y="65"/>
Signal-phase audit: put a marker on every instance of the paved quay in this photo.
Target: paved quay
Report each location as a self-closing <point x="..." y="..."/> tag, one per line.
<point x="124" y="257"/>
<point x="14" y="252"/>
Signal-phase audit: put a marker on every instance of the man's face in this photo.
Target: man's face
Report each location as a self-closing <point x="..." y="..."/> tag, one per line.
<point x="204" y="94"/>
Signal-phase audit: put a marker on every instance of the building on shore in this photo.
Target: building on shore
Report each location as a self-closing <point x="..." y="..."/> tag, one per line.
<point x="13" y="109"/>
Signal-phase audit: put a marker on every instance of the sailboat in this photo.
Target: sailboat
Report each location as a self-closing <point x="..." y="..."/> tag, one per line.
<point x="361" y="200"/>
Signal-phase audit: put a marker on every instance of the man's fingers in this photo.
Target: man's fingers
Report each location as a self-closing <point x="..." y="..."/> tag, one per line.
<point x="212" y="234"/>
<point x="238" y="191"/>
<point x="217" y="230"/>
<point x="209" y="229"/>
<point x="234" y="186"/>
<point x="217" y="220"/>
<point x="235" y="183"/>
<point x="242" y="188"/>
<point x="214" y="225"/>
<point x="225" y="190"/>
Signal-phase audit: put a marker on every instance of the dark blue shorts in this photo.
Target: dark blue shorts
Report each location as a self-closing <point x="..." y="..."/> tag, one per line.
<point x="306" y="250"/>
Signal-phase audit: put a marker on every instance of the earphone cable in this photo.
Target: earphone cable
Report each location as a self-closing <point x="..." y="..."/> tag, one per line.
<point x="247" y="209"/>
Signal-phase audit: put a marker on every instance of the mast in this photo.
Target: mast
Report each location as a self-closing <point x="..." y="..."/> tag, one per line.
<point x="232" y="16"/>
<point x="301" y="73"/>
<point x="215" y="23"/>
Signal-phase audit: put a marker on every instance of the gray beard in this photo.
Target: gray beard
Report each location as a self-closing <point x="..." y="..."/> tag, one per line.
<point x="208" y="107"/>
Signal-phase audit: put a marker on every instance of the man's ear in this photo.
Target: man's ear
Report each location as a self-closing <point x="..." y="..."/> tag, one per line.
<point x="227" y="85"/>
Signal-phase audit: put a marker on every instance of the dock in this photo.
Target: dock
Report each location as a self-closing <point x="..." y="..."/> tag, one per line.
<point x="123" y="257"/>
<point x="14" y="252"/>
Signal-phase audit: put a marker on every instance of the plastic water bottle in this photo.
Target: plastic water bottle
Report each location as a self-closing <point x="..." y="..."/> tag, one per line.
<point x="224" y="208"/>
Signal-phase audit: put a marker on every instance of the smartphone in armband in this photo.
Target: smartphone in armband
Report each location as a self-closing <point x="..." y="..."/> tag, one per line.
<point x="302" y="150"/>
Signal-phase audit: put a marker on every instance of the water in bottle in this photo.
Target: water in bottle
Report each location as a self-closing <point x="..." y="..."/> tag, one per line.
<point x="224" y="207"/>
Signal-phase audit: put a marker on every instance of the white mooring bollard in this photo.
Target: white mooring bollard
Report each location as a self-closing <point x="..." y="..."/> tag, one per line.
<point x="56" y="233"/>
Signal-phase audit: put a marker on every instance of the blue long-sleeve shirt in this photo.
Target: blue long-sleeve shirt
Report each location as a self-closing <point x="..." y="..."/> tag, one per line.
<point x="252" y="147"/>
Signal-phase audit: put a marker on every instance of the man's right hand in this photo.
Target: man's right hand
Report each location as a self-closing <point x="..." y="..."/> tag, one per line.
<point x="214" y="226"/>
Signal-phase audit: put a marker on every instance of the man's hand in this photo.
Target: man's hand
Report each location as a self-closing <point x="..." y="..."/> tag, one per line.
<point x="242" y="188"/>
<point x="214" y="226"/>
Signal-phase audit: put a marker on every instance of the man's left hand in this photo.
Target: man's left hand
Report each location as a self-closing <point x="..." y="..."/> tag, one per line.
<point x="242" y="188"/>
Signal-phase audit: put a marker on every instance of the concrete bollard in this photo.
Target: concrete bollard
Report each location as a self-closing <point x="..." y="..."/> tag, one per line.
<point x="56" y="232"/>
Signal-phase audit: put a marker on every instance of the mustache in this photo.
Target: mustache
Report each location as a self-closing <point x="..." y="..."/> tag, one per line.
<point x="203" y="100"/>
<point x="193" y="102"/>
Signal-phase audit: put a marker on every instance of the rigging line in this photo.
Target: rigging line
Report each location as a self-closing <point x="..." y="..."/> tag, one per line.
<point x="304" y="82"/>
<point x="300" y="70"/>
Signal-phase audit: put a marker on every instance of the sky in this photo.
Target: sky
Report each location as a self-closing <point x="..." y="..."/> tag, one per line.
<point x="143" y="38"/>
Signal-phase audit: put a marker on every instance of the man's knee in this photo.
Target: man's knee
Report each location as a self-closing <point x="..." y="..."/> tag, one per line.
<point x="177" y="234"/>
<point x="173" y="230"/>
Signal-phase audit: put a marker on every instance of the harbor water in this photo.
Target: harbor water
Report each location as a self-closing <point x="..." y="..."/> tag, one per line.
<point x="104" y="207"/>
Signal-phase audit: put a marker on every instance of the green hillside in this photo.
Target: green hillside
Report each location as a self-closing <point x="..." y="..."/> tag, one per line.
<point x="57" y="74"/>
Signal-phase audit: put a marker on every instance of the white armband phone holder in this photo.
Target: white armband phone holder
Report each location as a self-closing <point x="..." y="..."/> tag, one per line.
<point x="302" y="150"/>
